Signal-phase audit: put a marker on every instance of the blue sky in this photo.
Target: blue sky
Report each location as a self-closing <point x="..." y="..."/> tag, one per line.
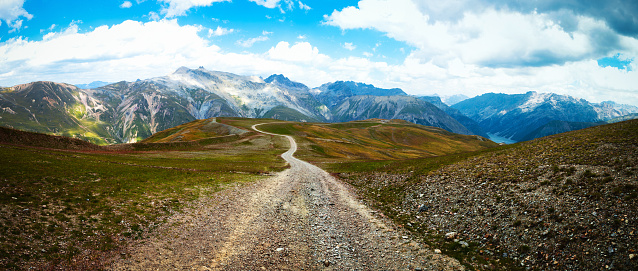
<point x="583" y="48"/>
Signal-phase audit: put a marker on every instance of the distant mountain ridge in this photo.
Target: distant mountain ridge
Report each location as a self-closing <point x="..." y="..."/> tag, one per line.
<point x="408" y="108"/>
<point x="127" y="112"/>
<point x="331" y="94"/>
<point x="470" y="124"/>
<point x="517" y="116"/>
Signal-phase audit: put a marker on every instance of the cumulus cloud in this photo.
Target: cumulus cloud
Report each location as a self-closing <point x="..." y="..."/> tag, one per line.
<point x="304" y="6"/>
<point x="126" y="4"/>
<point x="349" y="46"/>
<point x="11" y="11"/>
<point x="250" y="42"/>
<point x="130" y="47"/>
<point x="301" y="51"/>
<point x="267" y="3"/>
<point x="153" y="16"/>
<point x="220" y="31"/>
<point x="277" y="4"/>
<point x="179" y="7"/>
<point x="487" y="35"/>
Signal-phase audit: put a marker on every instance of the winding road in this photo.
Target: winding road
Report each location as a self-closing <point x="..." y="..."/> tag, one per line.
<point x="300" y="219"/>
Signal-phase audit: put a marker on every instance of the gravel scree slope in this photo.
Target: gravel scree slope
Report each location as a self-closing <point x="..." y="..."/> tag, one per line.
<point x="300" y="219"/>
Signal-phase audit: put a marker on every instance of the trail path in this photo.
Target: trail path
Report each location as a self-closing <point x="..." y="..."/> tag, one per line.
<point x="300" y="219"/>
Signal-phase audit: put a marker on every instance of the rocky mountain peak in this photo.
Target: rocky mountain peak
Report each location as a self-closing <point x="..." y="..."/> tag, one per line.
<point x="281" y="80"/>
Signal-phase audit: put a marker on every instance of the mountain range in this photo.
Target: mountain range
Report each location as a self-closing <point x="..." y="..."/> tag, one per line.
<point x="521" y="117"/>
<point x="132" y="111"/>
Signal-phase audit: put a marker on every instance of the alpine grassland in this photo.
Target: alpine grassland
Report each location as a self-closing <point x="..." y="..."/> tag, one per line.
<point x="64" y="208"/>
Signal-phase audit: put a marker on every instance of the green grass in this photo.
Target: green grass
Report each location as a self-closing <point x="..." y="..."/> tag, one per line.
<point x="56" y="205"/>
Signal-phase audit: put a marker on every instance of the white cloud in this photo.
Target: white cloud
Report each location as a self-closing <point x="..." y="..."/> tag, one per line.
<point x="220" y="31"/>
<point x="126" y="4"/>
<point x="301" y="37"/>
<point x="267" y="3"/>
<point x="11" y="11"/>
<point x="486" y="36"/>
<point x="113" y="53"/>
<point x="153" y="16"/>
<point x="179" y="7"/>
<point x="349" y="46"/>
<point x="367" y="54"/>
<point x="277" y="4"/>
<point x="304" y="6"/>
<point x="301" y="51"/>
<point x="250" y="42"/>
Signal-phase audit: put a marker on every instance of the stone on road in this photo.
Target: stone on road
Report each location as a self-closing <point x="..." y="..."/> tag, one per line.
<point x="302" y="218"/>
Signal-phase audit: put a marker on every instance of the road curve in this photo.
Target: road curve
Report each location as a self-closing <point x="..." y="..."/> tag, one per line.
<point x="300" y="219"/>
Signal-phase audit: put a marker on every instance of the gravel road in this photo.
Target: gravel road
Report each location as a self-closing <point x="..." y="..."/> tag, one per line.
<point x="300" y="219"/>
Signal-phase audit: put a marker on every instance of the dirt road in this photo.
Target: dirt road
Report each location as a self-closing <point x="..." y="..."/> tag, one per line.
<point x="301" y="219"/>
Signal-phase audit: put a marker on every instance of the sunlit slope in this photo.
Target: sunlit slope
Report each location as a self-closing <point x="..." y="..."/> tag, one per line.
<point x="375" y="140"/>
<point x="55" y="108"/>
<point x="195" y="130"/>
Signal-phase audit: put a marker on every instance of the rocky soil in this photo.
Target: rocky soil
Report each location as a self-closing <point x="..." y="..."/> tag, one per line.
<point x="567" y="202"/>
<point x="300" y="219"/>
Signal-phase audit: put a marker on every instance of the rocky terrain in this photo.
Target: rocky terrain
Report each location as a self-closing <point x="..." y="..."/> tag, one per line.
<point x="564" y="202"/>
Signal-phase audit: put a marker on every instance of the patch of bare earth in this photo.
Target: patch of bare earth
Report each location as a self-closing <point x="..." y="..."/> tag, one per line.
<point x="300" y="219"/>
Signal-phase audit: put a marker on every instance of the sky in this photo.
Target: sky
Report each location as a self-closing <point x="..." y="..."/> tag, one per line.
<point x="583" y="48"/>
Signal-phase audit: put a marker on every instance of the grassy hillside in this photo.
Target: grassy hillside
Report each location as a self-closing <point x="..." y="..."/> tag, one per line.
<point x="17" y="137"/>
<point x="566" y="202"/>
<point x="195" y="130"/>
<point x="374" y="140"/>
<point x="289" y="114"/>
<point x="66" y="209"/>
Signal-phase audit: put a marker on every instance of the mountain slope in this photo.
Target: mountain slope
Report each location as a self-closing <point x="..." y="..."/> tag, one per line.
<point x="470" y="124"/>
<point x="333" y="94"/>
<point x="396" y="107"/>
<point x="23" y="138"/>
<point x="516" y="116"/>
<point x="558" y="126"/>
<point x="519" y="115"/>
<point x="55" y="108"/>
<point x="247" y="96"/>
<point x="195" y="130"/>
<point x="624" y="118"/>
